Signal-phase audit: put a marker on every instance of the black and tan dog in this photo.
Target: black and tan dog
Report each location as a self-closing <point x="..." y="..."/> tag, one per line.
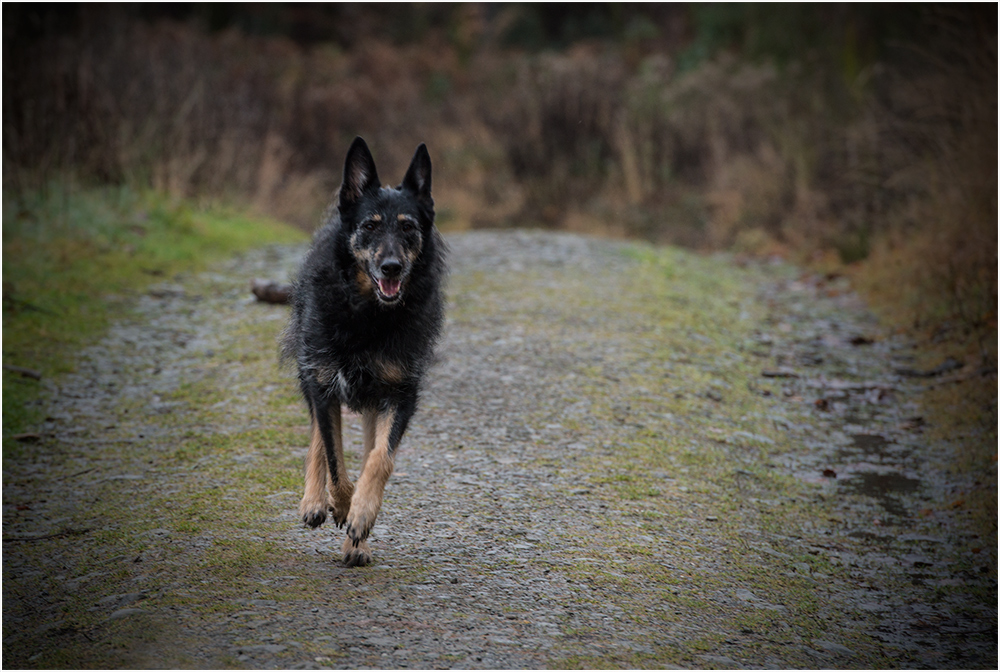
<point x="367" y="310"/>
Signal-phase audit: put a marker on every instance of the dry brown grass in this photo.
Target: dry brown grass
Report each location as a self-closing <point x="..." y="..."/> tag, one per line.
<point x="168" y="106"/>
<point x="606" y="137"/>
<point x="935" y="260"/>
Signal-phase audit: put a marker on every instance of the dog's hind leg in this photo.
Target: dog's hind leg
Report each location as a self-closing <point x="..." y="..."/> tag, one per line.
<point x="368" y="436"/>
<point x="325" y="463"/>
<point x="313" y="506"/>
<point x="341" y="489"/>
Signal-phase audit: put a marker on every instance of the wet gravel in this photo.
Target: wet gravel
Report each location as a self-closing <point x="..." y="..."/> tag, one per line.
<point x="505" y="540"/>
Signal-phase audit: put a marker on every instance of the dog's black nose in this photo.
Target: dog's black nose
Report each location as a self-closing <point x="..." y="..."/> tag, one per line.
<point x="391" y="268"/>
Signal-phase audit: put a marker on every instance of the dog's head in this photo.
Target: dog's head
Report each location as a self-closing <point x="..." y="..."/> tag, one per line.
<point x="386" y="227"/>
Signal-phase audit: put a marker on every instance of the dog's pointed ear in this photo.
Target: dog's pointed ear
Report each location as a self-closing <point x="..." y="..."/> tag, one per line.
<point x="359" y="173"/>
<point x="418" y="175"/>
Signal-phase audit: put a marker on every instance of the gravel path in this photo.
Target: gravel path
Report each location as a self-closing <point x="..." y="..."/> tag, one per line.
<point x="599" y="476"/>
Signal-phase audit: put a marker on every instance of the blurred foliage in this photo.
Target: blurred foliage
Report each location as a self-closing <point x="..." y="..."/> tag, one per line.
<point x="799" y="129"/>
<point x="853" y="33"/>
<point x="849" y="35"/>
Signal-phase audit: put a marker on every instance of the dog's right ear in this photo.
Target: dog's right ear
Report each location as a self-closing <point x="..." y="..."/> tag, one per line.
<point x="359" y="173"/>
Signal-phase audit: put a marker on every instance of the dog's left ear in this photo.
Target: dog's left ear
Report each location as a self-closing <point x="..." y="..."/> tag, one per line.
<point x="418" y="175"/>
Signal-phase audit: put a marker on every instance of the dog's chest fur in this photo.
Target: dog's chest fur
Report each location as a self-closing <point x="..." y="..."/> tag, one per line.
<point x="362" y="377"/>
<point x="361" y="352"/>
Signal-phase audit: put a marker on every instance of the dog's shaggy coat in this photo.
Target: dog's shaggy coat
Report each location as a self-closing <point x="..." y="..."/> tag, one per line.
<point x="367" y="310"/>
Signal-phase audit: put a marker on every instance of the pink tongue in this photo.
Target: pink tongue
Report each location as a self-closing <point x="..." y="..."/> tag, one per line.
<point x="388" y="287"/>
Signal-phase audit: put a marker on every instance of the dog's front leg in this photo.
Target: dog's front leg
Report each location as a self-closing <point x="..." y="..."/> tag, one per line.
<point x="382" y="433"/>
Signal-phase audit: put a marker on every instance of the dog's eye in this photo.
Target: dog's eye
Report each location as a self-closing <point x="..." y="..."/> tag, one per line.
<point x="406" y="226"/>
<point x="370" y="225"/>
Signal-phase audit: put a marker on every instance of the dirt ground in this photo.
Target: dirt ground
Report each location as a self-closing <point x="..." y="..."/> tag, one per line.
<point x="624" y="457"/>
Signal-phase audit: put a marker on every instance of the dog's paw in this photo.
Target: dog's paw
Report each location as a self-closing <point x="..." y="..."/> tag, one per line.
<point x="313" y="513"/>
<point x="314" y="518"/>
<point x="361" y="518"/>
<point x="339" y="503"/>
<point x="356" y="556"/>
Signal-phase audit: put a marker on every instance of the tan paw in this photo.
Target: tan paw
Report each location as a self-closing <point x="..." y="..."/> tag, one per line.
<point x="339" y="502"/>
<point x="361" y="518"/>
<point x="356" y="556"/>
<point x="312" y="511"/>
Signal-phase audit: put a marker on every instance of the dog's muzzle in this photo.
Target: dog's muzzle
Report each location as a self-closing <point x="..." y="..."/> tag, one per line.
<point x="389" y="280"/>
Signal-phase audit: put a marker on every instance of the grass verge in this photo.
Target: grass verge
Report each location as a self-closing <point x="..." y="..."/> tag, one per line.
<point x="73" y="258"/>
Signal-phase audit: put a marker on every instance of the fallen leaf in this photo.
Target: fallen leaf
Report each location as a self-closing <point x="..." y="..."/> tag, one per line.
<point x="822" y="404"/>
<point x="830" y="473"/>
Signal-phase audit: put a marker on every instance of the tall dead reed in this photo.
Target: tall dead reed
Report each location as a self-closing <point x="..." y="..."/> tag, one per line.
<point x="895" y="164"/>
<point x="936" y="263"/>
<point x="170" y="107"/>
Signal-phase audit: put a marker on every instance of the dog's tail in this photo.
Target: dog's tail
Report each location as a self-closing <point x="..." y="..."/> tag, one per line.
<point x="288" y="342"/>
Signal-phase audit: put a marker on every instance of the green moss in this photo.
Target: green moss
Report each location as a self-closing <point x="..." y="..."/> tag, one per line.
<point x="73" y="259"/>
<point x="713" y="451"/>
<point x="674" y="468"/>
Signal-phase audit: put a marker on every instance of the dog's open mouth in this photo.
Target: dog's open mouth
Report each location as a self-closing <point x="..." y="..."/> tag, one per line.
<point x="388" y="289"/>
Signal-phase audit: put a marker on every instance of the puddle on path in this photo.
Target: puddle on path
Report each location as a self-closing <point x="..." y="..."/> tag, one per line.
<point x="870" y="443"/>
<point x="873" y="448"/>
<point x="882" y="487"/>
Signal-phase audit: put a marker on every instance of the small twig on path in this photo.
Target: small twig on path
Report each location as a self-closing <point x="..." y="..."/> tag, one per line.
<point x="93" y="442"/>
<point x="79" y="473"/>
<point x="27" y="373"/>
<point x="779" y="373"/>
<point x="947" y="366"/>
<point x="962" y="377"/>
<point x="64" y="533"/>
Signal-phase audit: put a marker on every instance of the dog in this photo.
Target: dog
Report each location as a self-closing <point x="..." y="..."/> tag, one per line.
<point x="367" y="310"/>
